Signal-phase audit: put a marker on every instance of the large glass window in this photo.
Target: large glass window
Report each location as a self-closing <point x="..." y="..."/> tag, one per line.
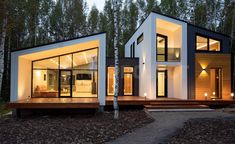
<point x="67" y="75"/>
<point x="85" y="60"/>
<point x="51" y="63"/>
<point x="128" y="80"/>
<point x="85" y="83"/>
<point x="214" y="45"/>
<point x="161" y="48"/>
<point x="45" y="83"/>
<point x="202" y="43"/>
<point x="207" y="44"/>
<point x="66" y="61"/>
<point x="111" y="80"/>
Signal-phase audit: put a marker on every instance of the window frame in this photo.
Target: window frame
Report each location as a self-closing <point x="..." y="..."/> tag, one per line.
<point x="140" y="38"/>
<point x="133" y="80"/>
<point x="208" y="43"/>
<point x="59" y="69"/>
<point x="165" y="49"/>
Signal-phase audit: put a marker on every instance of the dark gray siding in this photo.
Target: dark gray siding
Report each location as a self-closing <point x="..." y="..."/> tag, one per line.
<point x="125" y="62"/>
<point x="192" y="32"/>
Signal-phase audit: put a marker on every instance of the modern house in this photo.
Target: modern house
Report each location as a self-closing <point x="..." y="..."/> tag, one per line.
<point x="165" y="58"/>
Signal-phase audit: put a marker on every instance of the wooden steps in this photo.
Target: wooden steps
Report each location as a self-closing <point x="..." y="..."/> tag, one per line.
<point x="176" y="106"/>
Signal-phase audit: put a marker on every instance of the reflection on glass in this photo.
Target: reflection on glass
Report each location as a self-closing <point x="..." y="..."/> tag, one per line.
<point x="161" y="83"/>
<point x="51" y="63"/>
<point x="128" y="80"/>
<point x="45" y="83"/>
<point x="84" y="80"/>
<point x="161" y="48"/>
<point x="85" y="83"/>
<point x="214" y="45"/>
<point x="66" y="61"/>
<point x="65" y="83"/>
<point x="85" y="60"/>
<point x="111" y="80"/>
<point x="202" y="43"/>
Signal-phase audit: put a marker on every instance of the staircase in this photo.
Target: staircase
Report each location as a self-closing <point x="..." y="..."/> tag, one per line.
<point x="176" y="106"/>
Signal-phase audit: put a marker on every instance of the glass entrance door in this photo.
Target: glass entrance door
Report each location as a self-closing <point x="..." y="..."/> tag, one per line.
<point x="216" y="83"/>
<point x="161" y="47"/>
<point x="161" y="83"/>
<point x="65" y="87"/>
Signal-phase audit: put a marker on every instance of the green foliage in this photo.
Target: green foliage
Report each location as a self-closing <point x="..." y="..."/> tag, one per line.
<point x="3" y="109"/>
<point x="93" y="19"/>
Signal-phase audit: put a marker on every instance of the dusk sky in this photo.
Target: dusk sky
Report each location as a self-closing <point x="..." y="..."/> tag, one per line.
<point x="99" y="4"/>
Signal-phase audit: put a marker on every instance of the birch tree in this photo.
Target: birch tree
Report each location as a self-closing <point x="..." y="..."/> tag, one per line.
<point x="116" y="49"/>
<point x="2" y="43"/>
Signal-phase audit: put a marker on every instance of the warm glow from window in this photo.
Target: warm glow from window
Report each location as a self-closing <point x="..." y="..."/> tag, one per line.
<point x="111" y="80"/>
<point x="161" y="83"/>
<point x="207" y="44"/>
<point x="214" y="45"/>
<point x="201" y="43"/>
<point x="128" y="80"/>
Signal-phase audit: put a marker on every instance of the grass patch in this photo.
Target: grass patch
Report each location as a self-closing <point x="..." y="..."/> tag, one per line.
<point x="3" y="109"/>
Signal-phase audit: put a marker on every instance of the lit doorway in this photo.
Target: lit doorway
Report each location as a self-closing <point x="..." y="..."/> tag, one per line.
<point x="65" y="87"/>
<point x="162" y="83"/>
<point x="216" y="82"/>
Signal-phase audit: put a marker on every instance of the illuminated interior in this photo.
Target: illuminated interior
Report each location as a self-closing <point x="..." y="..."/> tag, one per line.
<point x="161" y="48"/>
<point x="111" y="80"/>
<point x="127" y="77"/>
<point x="161" y="75"/>
<point x="201" y="43"/>
<point x="73" y="74"/>
<point x="168" y="40"/>
<point x="207" y="44"/>
<point x="128" y="80"/>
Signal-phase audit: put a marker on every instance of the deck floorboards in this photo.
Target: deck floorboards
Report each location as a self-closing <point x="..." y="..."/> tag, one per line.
<point x="43" y="103"/>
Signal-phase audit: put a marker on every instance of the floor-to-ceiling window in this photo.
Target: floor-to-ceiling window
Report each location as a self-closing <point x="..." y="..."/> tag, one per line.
<point x="111" y="81"/>
<point x="69" y="75"/>
<point x="162" y="83"/>
<point x="161" y="47"/>
<point x="85" y="73"/>
<point x="128" y="81"/>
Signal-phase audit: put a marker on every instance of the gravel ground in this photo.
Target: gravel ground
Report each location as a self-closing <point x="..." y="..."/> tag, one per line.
<point x="206" y="131"/>
<point x="77" y="129"/>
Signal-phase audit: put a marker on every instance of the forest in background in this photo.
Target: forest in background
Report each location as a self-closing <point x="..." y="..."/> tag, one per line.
<point x="27" y="23"/>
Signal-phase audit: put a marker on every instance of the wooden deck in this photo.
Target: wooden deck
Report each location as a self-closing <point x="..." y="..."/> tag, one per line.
<point x="93" y="103"/>
<point x="58" y="103"/>
<point x="127" y="100"/>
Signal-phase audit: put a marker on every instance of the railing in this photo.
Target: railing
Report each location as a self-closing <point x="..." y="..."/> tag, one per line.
<point x="169" y="54"/>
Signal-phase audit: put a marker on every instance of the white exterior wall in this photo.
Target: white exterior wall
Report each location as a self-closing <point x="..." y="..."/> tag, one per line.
<point x="21" y="68"/>
<point x="146" y="52"/>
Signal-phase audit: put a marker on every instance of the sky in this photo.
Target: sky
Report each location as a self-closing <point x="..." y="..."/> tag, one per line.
<point x="99" y="4"/>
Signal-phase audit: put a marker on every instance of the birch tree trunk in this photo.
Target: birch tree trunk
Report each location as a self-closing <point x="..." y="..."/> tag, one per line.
<point x="2" y="47"/>
<point x="115" y="99"/>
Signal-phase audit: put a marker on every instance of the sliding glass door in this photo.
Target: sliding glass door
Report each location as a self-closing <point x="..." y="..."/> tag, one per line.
<point x="68" y="75"/>
<point x="65" y="83"/>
